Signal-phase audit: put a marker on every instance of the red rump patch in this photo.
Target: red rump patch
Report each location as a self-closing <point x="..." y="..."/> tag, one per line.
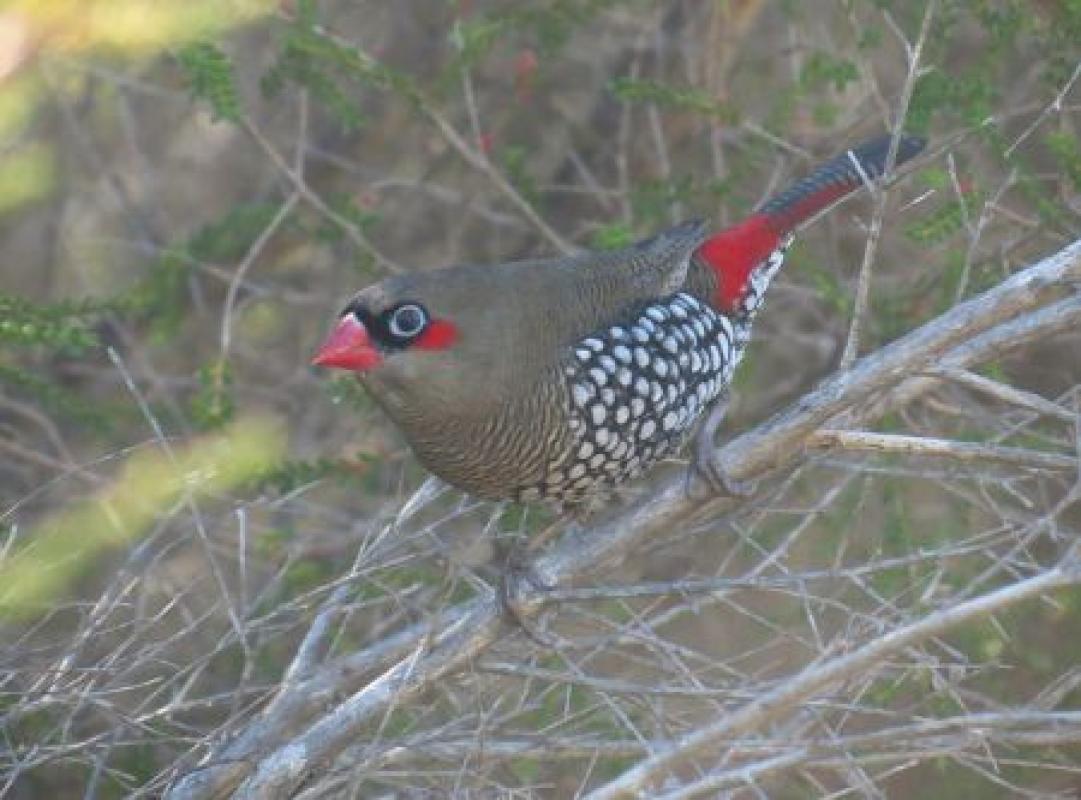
<point x="439" y="335"/>
<point x="733" y="253"/>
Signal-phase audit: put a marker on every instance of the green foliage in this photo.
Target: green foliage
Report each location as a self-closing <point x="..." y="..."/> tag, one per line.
<point x="938" y="226"/>
<point x="232" y="236"/>
<point x="291" y="474"/>
<point x="346" y="389"/>
<point x="969" y="97"/>
<point x="177" y="306"/>
<point x="825" y="70"/>
<point x="345" y="206"/>
<point x="210" y="76"/>
<point x="63" y="546"/>
<point x="55" y="399"/>
<point x="630" y="90"/>
<point x="829" y="289"/>
<point x="306" y="574"/>
<point x="550" y="23"/>
<point x="61" y="326"/>
<point x="1060" y="36"/>
<point x="1067" y="152"/>
<point x="651" y="201"/>
<point x="473" y="39"/>
<point x="612" y="237"/>
<point x="515" y="160"/>
<point x="314" y="60"/>
<point x="161" y="297"/>
<point x="213" y="405"/>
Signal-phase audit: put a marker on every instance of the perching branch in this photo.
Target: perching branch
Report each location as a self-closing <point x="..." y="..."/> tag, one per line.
<point x="280" y="750"/>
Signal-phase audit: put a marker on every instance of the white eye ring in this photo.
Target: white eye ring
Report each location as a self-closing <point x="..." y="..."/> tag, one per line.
<point x="407" y="320"/>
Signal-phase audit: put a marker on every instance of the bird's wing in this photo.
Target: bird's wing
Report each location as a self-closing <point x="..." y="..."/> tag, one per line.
<point x="653" y="267"/>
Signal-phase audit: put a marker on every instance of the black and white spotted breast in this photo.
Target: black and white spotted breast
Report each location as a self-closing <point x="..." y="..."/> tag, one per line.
<point x="635" y="389"/>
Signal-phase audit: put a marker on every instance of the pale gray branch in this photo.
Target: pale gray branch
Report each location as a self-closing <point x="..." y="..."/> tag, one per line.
<point x="819" y="676"/>
<point x="965" y="452"/>
<point x="275" y="755"/>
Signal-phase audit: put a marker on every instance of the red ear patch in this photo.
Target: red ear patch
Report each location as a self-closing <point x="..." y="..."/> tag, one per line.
<point x="733" y="253"/>
<point x="439" y="335"/>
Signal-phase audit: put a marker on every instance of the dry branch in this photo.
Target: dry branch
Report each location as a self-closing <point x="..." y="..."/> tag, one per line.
<point x="283" y="748"/>
<point x="818" y="676"/>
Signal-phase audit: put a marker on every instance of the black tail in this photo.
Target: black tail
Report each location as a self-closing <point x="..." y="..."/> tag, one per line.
<point x="834" y="179"/>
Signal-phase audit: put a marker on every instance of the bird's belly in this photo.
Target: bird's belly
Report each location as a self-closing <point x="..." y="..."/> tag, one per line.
<point x="635" y="390"/>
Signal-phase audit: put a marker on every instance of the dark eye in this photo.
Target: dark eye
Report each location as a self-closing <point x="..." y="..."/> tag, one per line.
<point x="407" y="321"/>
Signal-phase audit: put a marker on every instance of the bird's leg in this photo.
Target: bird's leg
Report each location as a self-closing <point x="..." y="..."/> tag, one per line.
<point x="519" y="580"/>
<point x="705" y="465"/>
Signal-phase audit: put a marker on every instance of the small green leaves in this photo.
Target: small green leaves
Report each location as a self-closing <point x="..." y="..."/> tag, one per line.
<point x="631" y="90"/>
<point x="210" y="75"/>
<point x="213" y="405"/>
<point x="941" y="225"/>
<point x="58" y="325"/>
<point x="54" y="398"/>
<point x="612" y="237"/>
<point x="1067" y="152"/>
<point x="971" y="97"/>
<point x="314" y="60"/>
<point x="515" y="162"/>
<point x="159" y="298"/>
<point x="823" y="69"/>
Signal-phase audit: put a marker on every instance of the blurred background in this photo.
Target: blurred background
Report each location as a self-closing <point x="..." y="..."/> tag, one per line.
<point x="189" y="192"/>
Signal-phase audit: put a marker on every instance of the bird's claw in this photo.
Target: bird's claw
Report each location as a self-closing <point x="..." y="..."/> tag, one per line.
<point x="518" y="594"/>
<point x="707" y="468"/>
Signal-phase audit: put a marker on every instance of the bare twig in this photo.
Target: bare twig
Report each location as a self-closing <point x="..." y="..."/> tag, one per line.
<point x="301" y="188"/>
<point x="818" y="676"/>
<point x="471" y="155"/>
<point x="861" y="307"/>
<point x="470" y="629"/>
<point x="245" y="264"/>
<point x="964" y="452"/>
<point x="1006" y="394"/>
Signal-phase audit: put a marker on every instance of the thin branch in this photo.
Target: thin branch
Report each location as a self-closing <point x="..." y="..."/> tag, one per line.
<point x="301" y="187"/>
<point x="964" y="452"/>
<point x="473" y="156"/>
<point x="819" y="676"/>
<point x="241" y="271"/>
<point x="1007" y="394"/>
<point x="861" y="307"/>
<point x="276" y="760"/>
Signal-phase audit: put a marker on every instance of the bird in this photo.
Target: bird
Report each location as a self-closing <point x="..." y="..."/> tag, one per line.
<point x="558" y="380"/>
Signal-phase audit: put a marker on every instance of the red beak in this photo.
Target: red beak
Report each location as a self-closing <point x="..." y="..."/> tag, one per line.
<point x="348" y="347"/>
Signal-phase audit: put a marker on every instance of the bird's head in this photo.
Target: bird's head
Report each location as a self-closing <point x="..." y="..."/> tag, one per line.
<point x="375" y="330"/>
<point x="457" y="337"/>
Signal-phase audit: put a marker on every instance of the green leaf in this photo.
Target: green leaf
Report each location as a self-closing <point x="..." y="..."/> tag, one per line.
<point x="822" y="69"/>
<point x="57" y="325"/>
<point x="213" y="405"/>
<point x="1067" y="152"/>
<point x="631" y="90"/>
<point x="210" y="76"/>
<point x="612" y="237"/>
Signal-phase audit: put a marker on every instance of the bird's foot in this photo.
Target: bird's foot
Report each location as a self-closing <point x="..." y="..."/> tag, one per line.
<point x="518" y="593"/>
<point x="707" y="468"/>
